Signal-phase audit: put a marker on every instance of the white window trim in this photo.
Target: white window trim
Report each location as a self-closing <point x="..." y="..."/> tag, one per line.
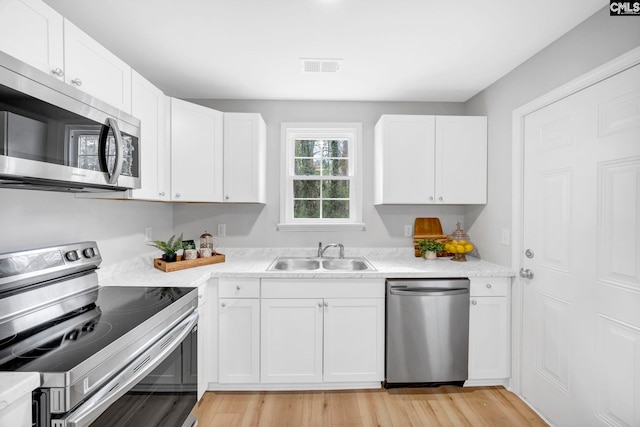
<point x="287" y="223"/>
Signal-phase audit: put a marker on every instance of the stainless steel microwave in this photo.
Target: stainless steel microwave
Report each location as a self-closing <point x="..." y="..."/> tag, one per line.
<point x="56" y="137"/>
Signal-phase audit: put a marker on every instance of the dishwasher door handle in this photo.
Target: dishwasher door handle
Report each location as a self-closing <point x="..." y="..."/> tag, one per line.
<point x="430" y="292"/>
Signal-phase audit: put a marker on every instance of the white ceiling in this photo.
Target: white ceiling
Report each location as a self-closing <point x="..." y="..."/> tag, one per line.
<point x="392" y="50"/>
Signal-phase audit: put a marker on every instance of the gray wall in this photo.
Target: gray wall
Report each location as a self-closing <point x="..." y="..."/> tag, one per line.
<point x="30" y="219"/>
<point x="594" y="42"/>
<point x="255" y="225"/>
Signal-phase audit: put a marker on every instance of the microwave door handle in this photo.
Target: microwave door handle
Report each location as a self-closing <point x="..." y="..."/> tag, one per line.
<point x="117" y="169"/>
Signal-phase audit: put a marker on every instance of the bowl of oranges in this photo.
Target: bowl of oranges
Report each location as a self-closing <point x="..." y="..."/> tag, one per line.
<point x="458" y="244"/>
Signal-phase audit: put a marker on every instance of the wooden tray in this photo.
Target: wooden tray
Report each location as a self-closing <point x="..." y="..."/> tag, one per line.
<point x="181" y="264"/>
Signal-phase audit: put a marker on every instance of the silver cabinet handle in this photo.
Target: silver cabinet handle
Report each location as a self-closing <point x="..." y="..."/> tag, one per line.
<point x="526" y="273"/>
<point x="237" y="287"/>
<point x="223" y="305"/>
<point x="440" y="198"/>
<point x="320" y="304"/>
<point x="488" y="285"/>
<point x="226" y="197"/>
<point x="431" y="198"/>
<point x="57" y="72"/>
<point x="326" y="304"/>
<point x="474" y="302"/>
<point x="177" y="195"/>
<point x="161" y="194"/>
<point x="77" y="82"/>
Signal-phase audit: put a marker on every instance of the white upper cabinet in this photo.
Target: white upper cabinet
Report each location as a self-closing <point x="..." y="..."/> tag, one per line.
<point x="95" y="70"/>
<point x="245" y="147"/>
<point x="31" y="31"/>
<point x="461" y="160"/>
<point x="149" y="104"/>
<point x="196" y="152"/>
<point x="404" y="150"/>
<point x="430" y="160"/>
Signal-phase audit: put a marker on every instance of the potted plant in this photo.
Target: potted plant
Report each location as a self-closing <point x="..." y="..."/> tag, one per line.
<point x="169" y="248"/>
<point x="430" y="248"/>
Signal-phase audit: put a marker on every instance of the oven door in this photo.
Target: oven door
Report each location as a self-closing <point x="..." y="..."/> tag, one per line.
<point x="158" y="388"/>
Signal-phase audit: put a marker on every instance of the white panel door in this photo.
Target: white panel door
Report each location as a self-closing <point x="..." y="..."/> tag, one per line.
<point x="461" y="160"/>
<point x="405" y="150"/>
<point x="31" y="31"/>
<point x="245" y="148"/>
<point x="93" y="69"/>
<point x="489" y="338"/>
<point x="354" y="339"/>
<point x="581" y="322"/>
<point x="291" y="347"/>
<point x="196" y="152"/>
<point x="239" y="341"/>
<point x="148" y="104"/>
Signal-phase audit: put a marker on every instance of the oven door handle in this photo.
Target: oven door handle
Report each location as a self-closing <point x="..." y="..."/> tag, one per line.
<point x="130" y="376"/>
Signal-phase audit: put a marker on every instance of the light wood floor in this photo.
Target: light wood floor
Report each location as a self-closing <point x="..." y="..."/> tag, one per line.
<point x="403" y="407"/>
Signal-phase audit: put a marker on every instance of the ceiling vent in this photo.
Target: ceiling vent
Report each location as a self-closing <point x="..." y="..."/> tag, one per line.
<point x="320" y="65"/>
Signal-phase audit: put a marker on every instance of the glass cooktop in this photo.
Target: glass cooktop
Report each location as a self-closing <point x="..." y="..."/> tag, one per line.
<point x="62" y="344"/>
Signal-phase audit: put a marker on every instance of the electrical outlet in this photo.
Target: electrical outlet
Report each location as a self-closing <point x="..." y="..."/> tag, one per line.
<point x="408" y="230"/>
<point x="505" y="237"/>
<point x="148" y="234"/>
<point x="222" y="230"/>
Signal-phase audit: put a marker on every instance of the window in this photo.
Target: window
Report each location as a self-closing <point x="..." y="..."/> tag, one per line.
<point x="321" y="181"/>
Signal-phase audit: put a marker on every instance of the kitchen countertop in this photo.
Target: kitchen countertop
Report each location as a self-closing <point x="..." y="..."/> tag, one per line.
<point x="253" y="262"/>
<point x="16" y="385"/>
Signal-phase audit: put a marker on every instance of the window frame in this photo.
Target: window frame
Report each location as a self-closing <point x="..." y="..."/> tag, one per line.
<point x="352" y="131"/>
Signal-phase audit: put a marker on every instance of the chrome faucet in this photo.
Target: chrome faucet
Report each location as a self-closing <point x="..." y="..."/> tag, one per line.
<point x="322" y="250"/>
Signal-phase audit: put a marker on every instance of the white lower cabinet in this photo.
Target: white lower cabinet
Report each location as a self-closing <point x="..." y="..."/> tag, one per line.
<point x="238" y="331"/>
<point x="239" y="341"/>
<point x="291" y="333"/>
<point x="300" y="333"/>
<point x="489" y="330"/>
<point x="354" y="340"/>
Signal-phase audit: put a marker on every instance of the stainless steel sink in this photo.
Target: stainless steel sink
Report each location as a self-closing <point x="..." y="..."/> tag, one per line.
<point x="348" y="264"/>
<point x="288" y="264"/>
<point x="311" y="264"/>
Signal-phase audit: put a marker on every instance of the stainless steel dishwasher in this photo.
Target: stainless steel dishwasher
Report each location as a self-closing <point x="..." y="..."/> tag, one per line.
<point x="427" y="334"/>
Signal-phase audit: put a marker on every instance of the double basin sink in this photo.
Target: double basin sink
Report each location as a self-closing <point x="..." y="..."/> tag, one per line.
<point x="315" y="264"/>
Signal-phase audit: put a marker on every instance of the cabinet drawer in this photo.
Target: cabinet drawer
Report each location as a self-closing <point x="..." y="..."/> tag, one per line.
<point x="239" y="288"/>
<point x="490" y="286"/>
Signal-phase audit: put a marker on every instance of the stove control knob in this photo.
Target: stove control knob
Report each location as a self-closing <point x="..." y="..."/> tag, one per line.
<point x="73" y="335"/>
<point x="89" y="253"/>
<point x="71" y="256"/>
<point x="89" y="327"/>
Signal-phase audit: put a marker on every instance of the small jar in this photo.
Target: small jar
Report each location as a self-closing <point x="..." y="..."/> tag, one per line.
<point x="459" y="244"/>
<point x="206" y="241"/>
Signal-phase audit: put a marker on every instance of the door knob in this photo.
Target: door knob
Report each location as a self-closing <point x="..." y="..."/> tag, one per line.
<point x="526" y="273"/>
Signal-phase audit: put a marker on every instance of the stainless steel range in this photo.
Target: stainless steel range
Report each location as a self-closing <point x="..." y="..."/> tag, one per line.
<point x="107" y="356"/>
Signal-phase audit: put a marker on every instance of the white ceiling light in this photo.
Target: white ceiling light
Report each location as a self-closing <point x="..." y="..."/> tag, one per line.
<point x="320" y="65"/>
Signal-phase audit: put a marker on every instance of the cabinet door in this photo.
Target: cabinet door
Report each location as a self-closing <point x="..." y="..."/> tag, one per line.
<point x="239" y="341"/>
<point x="461" y="160"/>
<point x="32" y="31"/>
<point x="354" y="340"/>
<point x="291" y="340"/>
<point x="489" y="341"/>
<point x="404" y="149"/>
<point x="95" y="70"/>
<point x="148" y="103"/>
<point x="196" y="153"/>
<point x="245" y="149"/>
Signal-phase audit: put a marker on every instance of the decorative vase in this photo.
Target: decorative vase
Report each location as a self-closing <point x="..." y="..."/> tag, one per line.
<point x="430" y="255"/>
<point x="170" y="257"/>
